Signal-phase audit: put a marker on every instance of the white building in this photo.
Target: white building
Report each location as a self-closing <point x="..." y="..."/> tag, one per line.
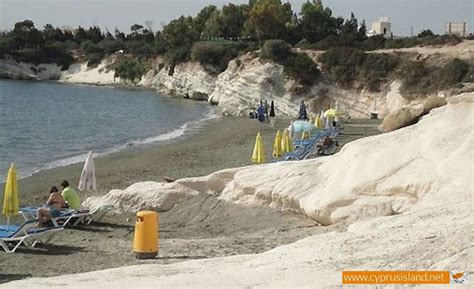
<point x="457" y="28"/>
<point x="381" y="27"/>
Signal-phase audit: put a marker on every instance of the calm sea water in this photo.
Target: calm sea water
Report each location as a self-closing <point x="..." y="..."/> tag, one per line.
<point x="46" y="124"/>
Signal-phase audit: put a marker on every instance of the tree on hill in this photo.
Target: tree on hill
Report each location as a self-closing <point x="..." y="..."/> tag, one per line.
<point x="226" y="23"/>
<point x="269" y="19"/>
<point x="26" y="35"/>
<point x="425" y="33"/>
<point x="202" y="17"/>
<point x="317" y="22"/>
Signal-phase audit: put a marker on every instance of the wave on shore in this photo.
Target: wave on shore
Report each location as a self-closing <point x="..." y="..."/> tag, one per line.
<point x="187" y="128"/>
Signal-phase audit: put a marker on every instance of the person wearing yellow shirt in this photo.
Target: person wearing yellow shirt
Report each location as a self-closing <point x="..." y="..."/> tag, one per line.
<point x="70" y="196"/>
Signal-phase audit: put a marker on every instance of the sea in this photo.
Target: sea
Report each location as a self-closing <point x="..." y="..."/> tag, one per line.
<point x="47" y="124"/>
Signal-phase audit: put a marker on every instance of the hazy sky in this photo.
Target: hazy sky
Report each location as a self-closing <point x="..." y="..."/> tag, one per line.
<point x="420" y="14"/>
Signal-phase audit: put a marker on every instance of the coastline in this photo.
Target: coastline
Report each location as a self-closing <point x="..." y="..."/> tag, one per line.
<point x="229" y="139"/>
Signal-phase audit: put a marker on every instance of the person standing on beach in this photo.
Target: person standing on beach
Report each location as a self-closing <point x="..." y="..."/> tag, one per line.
<point x="70" y="196"/>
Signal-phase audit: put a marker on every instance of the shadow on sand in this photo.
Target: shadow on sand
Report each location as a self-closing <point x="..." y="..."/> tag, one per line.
<point x="4" y="278"/>
<point x="50" y="249"/>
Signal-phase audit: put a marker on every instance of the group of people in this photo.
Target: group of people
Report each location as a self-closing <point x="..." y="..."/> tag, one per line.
<point x="68" y="198"/>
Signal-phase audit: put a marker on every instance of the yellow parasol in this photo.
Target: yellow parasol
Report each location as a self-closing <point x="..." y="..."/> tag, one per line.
<point x="11" y="204"/>
<point x="277" y="145"/>
<point x="258" y="155"/>
<point x="318" y="123"/>
<point x="305" y="135"/>
<point x="286" y="143"/>
<point x="331" y="113"/>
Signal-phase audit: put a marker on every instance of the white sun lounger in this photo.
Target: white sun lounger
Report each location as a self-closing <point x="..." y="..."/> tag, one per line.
<point x="71" y="217"/>
<point x="26" y="234"/>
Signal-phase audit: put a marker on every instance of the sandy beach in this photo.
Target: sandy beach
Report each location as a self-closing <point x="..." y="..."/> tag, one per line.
<point x="201" y="227"/>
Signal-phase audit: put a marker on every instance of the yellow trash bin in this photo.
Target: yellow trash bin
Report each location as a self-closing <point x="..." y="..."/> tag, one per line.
<point x="145" y="242"/>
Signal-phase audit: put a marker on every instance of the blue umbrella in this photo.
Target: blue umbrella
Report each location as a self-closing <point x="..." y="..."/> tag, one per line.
<point x="303" y="114"/>
<point x="301" y="125"/>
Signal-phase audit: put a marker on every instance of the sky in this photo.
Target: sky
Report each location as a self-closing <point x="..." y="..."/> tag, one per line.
<point x="404" y="14"/>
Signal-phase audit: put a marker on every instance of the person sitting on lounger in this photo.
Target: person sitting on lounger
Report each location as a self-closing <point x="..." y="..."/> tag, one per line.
<point x="70" y="196"/>
<point x="53" y="206"/>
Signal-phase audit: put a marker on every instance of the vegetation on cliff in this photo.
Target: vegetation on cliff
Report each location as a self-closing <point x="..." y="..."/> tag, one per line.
<point x="216" y="35"/>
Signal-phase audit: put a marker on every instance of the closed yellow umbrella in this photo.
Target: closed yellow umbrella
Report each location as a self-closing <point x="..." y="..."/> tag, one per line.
<point x="305" y="135"/>
<point x="277" y="145"/>
<point x="258" y="155"/>
<point x="286" y="143"/>
<point x="11" y="204"/>
<point x="318" y="123"/>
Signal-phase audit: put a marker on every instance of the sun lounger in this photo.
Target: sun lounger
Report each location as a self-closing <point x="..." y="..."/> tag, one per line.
<point x="69" y="216"/>
<point x="309" y="147"/>
<point x="26" y="234"/>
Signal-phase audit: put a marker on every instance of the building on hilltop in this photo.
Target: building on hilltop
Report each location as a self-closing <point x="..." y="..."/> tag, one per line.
<point x="381" y="27"/>
<point x="456" y="28"/>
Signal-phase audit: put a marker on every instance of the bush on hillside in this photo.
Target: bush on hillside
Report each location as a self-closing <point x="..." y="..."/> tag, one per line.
<point x="302" y="68"/>
<point x="419" y="80"/>
<point x="276" y="50"/>
<point x="130" y="69"/>
<point x="175" y="56"/>
<point x="340" y="64"/>
<point x="375" y="69"/>
<point x="214" y="56"/>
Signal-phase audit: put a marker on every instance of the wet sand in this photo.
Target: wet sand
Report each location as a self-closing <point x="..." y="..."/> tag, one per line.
<point x="201" y="227"/>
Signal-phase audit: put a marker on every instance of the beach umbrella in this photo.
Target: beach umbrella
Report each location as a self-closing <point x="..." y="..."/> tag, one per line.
<point x="328" y="123"/>
<point x="290" y="130"/>
<point x="302" y="113"/>
<point x="331" y="112"/>
<point x="272" y="109"/>
<point x="258" y="155"/>
<point x="277" y="145"/>
<point x="301" y="126"/>
<point x="11" y="203"/>
<point x="305" y="135"/>
<point x="318" y="123"/>
<point x="87" y="181"/>
<point x="286" y="143"/>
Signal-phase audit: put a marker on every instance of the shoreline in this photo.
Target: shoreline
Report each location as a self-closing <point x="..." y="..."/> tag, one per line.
<point x="112" y="171"/>
<point x="140" y="142"/>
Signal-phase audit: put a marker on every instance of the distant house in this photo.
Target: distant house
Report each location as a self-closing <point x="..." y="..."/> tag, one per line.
<point x="381" y="27"/>
<point x="457" y="28"/>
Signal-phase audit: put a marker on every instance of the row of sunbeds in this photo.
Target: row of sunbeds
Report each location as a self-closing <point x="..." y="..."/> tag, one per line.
<point x="28" y="234"/>
<point x="304" y="148"/>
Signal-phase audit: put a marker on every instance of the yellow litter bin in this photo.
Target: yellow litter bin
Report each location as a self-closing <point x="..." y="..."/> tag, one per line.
<point x="145" y="242"/>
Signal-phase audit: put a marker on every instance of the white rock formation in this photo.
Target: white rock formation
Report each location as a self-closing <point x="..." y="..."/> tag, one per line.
<point x="424" y="171"/>
<point x="189" y="80"/>
<point x="80" y="73"/>
<point x="246" y="81"/>
<point x="376" y="176"/>
<point x="21" y="70"/>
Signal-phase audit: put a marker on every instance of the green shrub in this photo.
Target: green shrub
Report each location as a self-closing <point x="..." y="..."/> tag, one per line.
<point x="175" y="56"/>
<point x="94" y="59"/>
<point x="276" y="50"/>
<point x="470" y="74"/>
<point x="340" y="64"/>
<point x="110" y="46"/>
<point x="375" y="69"/>
<point x="130" y="69"/>
<point x="419" y="80"/>
<point x="302" y="68"/>
<point x="214" y="56"/>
